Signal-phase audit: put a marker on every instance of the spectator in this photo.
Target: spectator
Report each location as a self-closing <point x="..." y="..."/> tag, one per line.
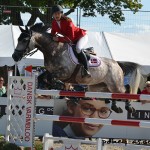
<point x="146" y="91"/>
<point x="86" y="108"/>
<point x="5" y="94"/>
<point x="2" y="87"/>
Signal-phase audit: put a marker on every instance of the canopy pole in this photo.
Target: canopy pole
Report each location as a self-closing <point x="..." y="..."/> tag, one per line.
<point x="15" y="68"/>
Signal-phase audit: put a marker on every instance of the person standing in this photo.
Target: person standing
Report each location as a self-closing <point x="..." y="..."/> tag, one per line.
<point x="2" y="87"/>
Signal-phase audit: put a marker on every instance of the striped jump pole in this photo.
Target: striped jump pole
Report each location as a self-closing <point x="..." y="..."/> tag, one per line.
<point x="140" y="124"/>
<point x="94" y="94"/>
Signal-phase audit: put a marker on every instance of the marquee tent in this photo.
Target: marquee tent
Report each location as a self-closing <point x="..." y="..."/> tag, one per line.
<point x="118" y="46"/>
<point x="8" y="41"/>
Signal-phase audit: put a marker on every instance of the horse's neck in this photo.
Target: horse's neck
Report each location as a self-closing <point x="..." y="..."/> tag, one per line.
<point x="54" y="53"/>
<point x="47" y="46"/>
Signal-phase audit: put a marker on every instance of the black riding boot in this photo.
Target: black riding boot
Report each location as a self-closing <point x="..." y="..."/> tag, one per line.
<point x="83" y="61"/>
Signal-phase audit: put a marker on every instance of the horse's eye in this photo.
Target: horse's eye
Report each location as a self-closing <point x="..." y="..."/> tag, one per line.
<point x="25" y="39"/>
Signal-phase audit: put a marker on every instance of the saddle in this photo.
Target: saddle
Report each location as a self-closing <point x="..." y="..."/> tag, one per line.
<point x="89" y="50"/>
<point x="93" y="61"/>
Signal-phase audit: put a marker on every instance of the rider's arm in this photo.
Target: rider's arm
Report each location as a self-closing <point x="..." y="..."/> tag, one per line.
<point x="69" y="35"/>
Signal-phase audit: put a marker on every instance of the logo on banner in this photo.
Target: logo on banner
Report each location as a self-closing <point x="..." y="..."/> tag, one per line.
<point x="17" y="91"/>
<point x="139" y="115"/>
<point x="93" y="61"/>
<point x="44" y="110"/>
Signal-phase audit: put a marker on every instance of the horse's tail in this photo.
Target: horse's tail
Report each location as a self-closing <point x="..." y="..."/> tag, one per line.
<point x="135" y="75"/>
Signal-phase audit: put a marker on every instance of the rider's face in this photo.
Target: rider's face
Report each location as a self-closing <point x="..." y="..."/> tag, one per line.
<point x="57" y="15"/>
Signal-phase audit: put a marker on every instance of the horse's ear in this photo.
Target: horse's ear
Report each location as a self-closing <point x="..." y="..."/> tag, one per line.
<point x="26" y="27"/>
<point x="21" y="29"/>
<point x="30" y="32"/>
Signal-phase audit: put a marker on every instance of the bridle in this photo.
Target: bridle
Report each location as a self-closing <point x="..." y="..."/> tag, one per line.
<point x="26" y="51"/>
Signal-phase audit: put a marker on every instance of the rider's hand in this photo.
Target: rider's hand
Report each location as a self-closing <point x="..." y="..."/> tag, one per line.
<point x="55" y="38"/>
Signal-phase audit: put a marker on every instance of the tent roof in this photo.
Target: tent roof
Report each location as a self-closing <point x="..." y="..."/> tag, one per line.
<point x="118" y="46"/>
<point x="129" y="47"/>
<point x="9" y="35"/>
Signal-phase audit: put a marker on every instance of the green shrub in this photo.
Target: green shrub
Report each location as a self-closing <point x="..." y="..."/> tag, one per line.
<point x="8" y="146"/>
<point x="38" y="145"/>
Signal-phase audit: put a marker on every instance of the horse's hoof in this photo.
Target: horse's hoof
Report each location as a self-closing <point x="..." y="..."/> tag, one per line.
<point x="120" y="110"/>
<point x="116" y="109"/>
<point x="130" y="109"/>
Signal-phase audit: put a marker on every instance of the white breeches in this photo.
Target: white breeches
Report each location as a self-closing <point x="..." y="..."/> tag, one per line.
<point x="81" y="43"/>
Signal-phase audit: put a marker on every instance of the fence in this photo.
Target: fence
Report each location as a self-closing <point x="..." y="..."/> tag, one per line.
<point x="133" y="23"/>
<point x="21" y="122"/>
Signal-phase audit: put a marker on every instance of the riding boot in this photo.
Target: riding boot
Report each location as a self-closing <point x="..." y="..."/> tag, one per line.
<point x="83" y="61"/>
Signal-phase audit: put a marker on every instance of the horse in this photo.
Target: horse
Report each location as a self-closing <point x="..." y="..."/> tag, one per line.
<point x="106" y="77"/>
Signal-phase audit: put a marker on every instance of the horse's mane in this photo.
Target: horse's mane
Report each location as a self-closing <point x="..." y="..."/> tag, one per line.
<point x="41" y="28"/>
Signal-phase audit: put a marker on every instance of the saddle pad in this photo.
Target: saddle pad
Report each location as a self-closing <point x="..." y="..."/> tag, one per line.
<point x="93" y="62"/>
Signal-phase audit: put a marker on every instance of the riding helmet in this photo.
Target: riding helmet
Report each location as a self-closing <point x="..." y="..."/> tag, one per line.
<point x="57" y="8"/>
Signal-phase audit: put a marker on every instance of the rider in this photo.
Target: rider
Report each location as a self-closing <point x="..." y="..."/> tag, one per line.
<point x="64" y="25"/>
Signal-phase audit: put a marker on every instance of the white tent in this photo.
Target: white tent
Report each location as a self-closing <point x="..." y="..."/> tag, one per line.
<point x="118" y="46"/>
<point x="130" y="47"/>
<point x="8" y="40"/>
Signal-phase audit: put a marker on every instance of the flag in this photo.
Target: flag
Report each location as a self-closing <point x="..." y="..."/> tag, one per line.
<point x="93" y="61"/>
<point x="29" y="68"/>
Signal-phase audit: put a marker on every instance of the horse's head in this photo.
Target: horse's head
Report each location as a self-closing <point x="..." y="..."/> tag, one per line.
<point x="26" y="41"/>
<point x="23" y="45"/>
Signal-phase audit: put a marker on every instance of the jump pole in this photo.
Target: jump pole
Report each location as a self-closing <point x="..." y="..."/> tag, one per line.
<point x="94" y="94"/>
<point x="111" y="122"/>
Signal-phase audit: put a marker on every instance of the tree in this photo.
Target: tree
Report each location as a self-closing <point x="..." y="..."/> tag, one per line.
<point x="42" y="9"/>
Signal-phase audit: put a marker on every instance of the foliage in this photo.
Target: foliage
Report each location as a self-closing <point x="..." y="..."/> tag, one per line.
<point x="38" y="146"/>
<point x="8" y="146"/>
<point x="112" y="8"/>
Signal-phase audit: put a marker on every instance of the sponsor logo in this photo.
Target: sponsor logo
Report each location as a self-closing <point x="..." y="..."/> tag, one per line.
<point x="139" y="115"/>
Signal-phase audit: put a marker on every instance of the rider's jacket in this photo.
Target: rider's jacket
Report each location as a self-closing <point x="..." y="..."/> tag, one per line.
<point x="67" y="28"/>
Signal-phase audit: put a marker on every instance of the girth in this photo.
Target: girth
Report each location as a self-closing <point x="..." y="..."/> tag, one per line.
<point x="72" y="78"/>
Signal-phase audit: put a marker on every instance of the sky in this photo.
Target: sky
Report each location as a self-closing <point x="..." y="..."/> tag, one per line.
<point x="134" y="23"/>
<point x="146" y="5"/>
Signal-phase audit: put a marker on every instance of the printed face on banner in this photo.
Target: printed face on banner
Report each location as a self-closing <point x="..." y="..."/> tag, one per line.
<point x="83" y="109"/>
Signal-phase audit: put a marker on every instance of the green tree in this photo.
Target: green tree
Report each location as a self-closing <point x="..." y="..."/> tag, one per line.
<point x="42" y="9"/>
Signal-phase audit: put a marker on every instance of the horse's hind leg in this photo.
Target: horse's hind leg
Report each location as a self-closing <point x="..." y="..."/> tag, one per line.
<point x="128" y="107"/>
<point x="116" y="85"/>
<point x="102" y="87"/>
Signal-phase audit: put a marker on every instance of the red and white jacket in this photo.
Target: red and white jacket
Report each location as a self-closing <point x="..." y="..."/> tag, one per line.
<point x="68" y="30"/>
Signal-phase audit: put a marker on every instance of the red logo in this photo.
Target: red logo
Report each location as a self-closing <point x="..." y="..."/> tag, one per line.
<point x="94" y="61"/>
<point x="17" y="91"/>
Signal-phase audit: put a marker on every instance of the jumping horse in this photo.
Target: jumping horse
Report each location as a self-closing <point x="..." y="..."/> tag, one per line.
<point x="106" y="77"/>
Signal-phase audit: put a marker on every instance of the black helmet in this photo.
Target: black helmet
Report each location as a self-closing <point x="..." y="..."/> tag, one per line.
<point x="57" y="8"/>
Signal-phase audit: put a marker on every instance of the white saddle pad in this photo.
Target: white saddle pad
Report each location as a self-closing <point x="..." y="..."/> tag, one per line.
<point x="93" y="62"/>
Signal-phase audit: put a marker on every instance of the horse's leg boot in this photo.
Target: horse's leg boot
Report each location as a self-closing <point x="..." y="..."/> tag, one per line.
<point x="83" y="61"/>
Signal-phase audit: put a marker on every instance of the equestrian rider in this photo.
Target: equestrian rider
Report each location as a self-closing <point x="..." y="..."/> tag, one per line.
<point x="64" y="25"/>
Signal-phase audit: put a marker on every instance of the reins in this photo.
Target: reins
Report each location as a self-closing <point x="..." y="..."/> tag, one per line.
<point x="31" y="52"/>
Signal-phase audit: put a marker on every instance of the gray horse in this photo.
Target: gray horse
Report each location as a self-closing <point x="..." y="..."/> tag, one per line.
<point x="107" y="77"/>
